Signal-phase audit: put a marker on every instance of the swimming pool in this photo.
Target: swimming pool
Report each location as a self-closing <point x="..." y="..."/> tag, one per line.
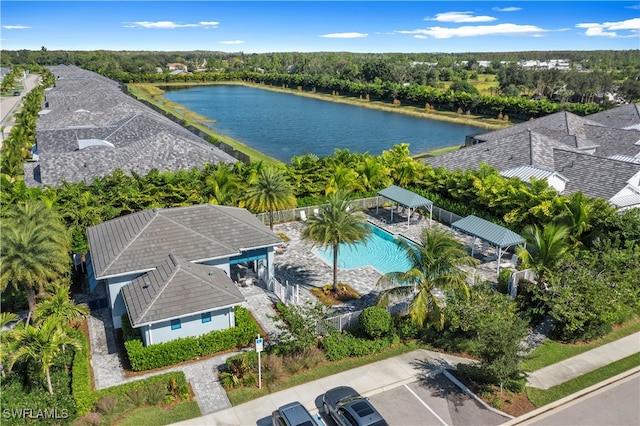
<point x="380" y="251"/>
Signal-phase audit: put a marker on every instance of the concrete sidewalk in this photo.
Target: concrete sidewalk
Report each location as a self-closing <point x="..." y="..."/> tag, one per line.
<point x="586" y="362"/>
<point x="368" y="380"/>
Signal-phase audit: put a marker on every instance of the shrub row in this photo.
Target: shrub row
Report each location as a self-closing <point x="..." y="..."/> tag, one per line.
<point x="175" y="382"/>
<point x="187" y="348"/>
<point x="338" y="346"/>
<point x="81" y="376"/>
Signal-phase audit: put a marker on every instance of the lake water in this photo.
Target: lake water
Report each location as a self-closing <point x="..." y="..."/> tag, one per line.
<point x="285" y="125"/>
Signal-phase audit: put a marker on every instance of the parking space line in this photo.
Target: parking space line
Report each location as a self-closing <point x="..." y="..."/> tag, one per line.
<point x="425" y="404"/>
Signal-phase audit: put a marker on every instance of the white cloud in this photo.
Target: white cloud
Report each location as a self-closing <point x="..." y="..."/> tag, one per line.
<point x="477" y="30"/>
<point x="458" y="17"/>
<point x="634" y="7"/>
<point x="419" y="36"/>
<point x="232" y="42"/>
<point x="345" y="35"/>
<point x="169" y="25"/>
<point x="507" y="9"/>
<point x="610" y="29"/>
<point x="15" y="27"/>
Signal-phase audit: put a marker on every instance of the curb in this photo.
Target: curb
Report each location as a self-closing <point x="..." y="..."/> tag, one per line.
<point x="474" y="396"/>
<point x="570" y="398"/>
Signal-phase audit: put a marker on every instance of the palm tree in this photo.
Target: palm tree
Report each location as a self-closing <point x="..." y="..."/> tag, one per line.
<point x="58" y="303"/>
<point x="40" y="344"/>
<point x="436" y="265"/>
<point x="545" y="248"/>
<point x="34" y="249"/>
<point x="269" y="192"/>
<point x="336" y="224"/>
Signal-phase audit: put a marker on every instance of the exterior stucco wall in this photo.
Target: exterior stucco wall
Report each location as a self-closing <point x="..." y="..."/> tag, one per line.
<point x="190" y="326"/>
<point x="116" y="301"/>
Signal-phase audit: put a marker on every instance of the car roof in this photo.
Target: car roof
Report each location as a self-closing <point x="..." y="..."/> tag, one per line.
<point x="340" y="393"/>
<point x="364" y="412"/>
<point x="296" y="414"/>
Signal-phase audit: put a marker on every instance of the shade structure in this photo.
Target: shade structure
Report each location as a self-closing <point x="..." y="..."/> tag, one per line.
<point x="408" y="199"/>
<point x="498" y="236"/>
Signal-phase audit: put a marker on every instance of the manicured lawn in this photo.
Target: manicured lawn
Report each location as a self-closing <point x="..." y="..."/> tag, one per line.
<point x="552" y="351"/>
<point x="241" y="395"/>
<point x="158" y="416"/>
<point x="541" y="397"/>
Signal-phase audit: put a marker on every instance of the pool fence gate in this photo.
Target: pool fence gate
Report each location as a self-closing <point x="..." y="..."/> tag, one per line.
<point x="289" y="294"/>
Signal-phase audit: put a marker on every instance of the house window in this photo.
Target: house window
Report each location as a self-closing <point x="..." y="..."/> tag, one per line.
<point x="206" y="317"/>
<point x="175" y="324"/>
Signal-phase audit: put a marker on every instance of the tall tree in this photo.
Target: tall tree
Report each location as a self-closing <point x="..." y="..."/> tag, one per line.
<point x="35" y="249"/>
<point x="270" y="191"/>
<point x="436" y="266"/>
<point x="335" y="225"/>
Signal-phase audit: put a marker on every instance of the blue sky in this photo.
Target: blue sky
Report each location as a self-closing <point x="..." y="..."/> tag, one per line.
<point x="312" y="26"/>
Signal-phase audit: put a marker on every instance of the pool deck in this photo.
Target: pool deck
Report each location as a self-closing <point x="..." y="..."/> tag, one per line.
<point x="299" y="264"/>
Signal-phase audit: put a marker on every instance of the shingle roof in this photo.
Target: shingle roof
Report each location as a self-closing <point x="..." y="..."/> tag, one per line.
<point x="178" y="288"/>
<point x="622" y="117"/>
<point x="593" y="176"/>
<point x="85" y="105"/>
<point x="405" y="197"/>
<point x="140" y="241"/>
<point x="488" y="231"/>
<point x="575" y="147"/>
<point x="525" y="173"/>
<point x="520" y="149"/>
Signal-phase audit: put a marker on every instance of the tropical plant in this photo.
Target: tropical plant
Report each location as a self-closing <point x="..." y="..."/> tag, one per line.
<point x="544" y="249"/>
<point x="35" y="249"/>
<point x="270" y="191"/>
<point x="58" y="303"/>
<point x="436" y="266"/>
<point x="336" y="224"/>
<point x="41" y="345"/>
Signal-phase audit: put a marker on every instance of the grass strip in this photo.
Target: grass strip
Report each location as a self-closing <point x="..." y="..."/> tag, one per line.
<point x="551" y="351"/>
<point x="241" y="395"/>
<point x="541" y="397"/>
<point x="159" y="416"/>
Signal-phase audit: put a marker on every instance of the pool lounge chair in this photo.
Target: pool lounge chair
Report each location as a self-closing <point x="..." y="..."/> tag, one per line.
<point x="303" y="215"/>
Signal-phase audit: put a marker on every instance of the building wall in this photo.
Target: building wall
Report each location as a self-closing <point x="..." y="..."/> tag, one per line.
<point x="116" y="301"/>
<point x="190" y="326"/>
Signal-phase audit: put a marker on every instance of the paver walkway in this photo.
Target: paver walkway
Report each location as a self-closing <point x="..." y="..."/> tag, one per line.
<point x="586" y="362"/>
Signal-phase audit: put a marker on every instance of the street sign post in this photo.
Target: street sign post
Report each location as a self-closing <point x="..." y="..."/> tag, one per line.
<point x="259" y="348"/>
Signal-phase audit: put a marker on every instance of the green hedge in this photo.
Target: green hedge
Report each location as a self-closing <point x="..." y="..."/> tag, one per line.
<point x="184" y="349"/>
<point x="81" y="377"/>
<point x="338" y="346"/>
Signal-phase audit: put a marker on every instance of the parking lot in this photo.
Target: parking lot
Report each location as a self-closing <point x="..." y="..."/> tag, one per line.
<point x="433" y="401"/>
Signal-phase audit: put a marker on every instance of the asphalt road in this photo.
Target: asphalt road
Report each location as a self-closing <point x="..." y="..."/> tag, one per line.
<point x="10" y="103"/>
<point x="616" y="404"/>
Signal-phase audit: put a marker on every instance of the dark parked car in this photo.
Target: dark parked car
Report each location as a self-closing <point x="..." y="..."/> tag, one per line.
<point x="293" y="414"/>
<point x="16" y="93"/>
<point x="348" y="408"/>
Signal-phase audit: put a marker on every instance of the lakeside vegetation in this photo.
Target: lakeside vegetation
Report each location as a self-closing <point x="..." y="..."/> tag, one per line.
<point x="599" y="261"/>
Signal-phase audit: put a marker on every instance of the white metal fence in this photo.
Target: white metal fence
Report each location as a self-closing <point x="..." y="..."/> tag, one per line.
<point x="289" y="294"/>
<point x="350" y="319"/>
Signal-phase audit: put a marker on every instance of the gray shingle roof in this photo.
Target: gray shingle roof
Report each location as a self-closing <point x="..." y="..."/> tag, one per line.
<point x="525" y="148"/>
<point x="593" y="176"/>
<point x="488" y="231"/>
<point x="622" y="117"/>
<point x="575" y="147"/>
<point x="141" y="241"/>
<point x="178" y="288"/>
<point x="84" y="105"/>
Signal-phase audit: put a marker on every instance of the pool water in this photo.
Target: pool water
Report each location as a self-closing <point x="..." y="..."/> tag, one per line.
<point x="380" y="251"/>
